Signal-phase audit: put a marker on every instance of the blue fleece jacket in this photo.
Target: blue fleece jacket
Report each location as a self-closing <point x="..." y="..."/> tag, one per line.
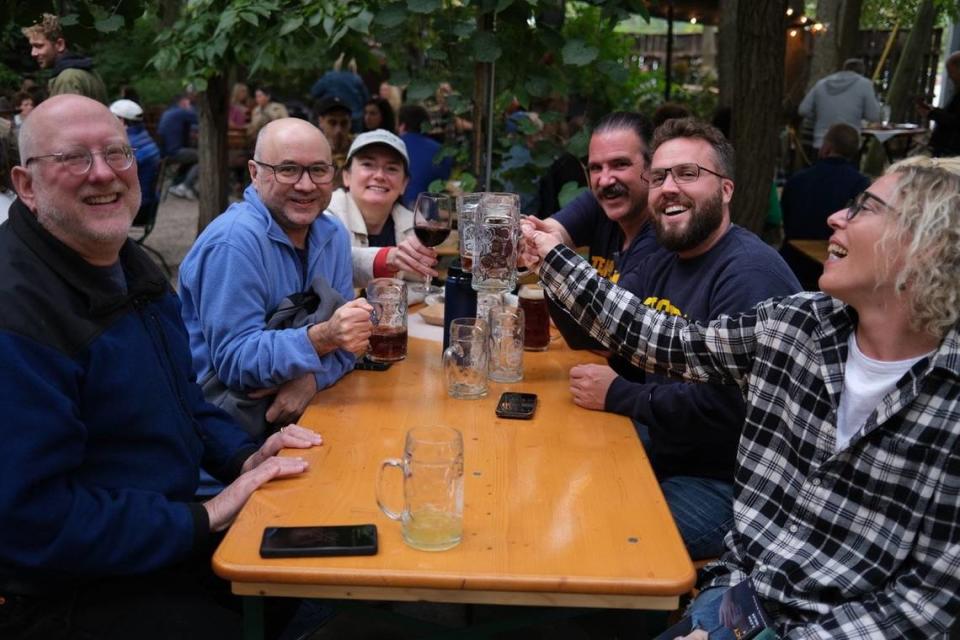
<point x="238" y="271"/>
<point x="103" y="428"/>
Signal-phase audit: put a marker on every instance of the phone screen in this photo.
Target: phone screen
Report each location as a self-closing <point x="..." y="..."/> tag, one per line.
<point x="517" y="405"/>
<point x="337" y="540"/>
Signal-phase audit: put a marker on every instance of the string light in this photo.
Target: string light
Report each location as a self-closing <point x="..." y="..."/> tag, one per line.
<point x="789" y="11"/>
<point x="793" y="33"/>
<point x="693" y="20"/>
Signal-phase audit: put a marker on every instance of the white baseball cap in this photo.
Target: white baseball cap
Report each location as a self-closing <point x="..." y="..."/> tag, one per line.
<point x="127" y="109"/>
<point x="379" y="136"/>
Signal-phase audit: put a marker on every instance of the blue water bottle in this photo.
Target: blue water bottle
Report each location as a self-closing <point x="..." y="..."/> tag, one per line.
<point x="459" y="298"/>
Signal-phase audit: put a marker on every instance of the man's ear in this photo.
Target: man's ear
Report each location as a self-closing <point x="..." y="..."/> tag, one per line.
<point x="726" y="187"/>
<point x="60" y="45"/>
<point x="23" y="185"/>
<point x="253" y="169"/>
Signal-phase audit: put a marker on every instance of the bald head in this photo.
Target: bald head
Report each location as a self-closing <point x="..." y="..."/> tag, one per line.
<point x="277" y="135"/>
<point x="953" y="67"/>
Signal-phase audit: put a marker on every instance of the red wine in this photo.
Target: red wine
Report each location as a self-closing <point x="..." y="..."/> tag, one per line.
<point x="431" y="236"/>
<point x="388" y="344"/>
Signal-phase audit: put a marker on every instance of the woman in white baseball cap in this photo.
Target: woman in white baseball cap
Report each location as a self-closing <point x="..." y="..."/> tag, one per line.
<point x="381" y="229"/>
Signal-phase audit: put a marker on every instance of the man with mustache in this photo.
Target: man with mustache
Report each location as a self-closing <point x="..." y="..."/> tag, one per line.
<point x="272" y="245"/>
<point x="612" y="218"/>
<point x="705" y="267"/>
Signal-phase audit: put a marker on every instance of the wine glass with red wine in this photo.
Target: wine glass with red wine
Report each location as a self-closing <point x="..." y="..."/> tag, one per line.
<point x="432" y="215"/>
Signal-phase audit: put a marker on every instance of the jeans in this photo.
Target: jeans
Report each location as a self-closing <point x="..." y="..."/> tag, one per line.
<point x="703" y="511"/>
<point x="701" y="507"/>
<point x="705" y="613"/>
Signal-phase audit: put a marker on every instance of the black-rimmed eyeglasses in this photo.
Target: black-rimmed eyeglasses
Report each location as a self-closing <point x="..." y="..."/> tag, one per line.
<point x="118" y="157"/>
<point x="682" y="174"/>
<point x="291" y="172"/>
<point x="858" y="204"/>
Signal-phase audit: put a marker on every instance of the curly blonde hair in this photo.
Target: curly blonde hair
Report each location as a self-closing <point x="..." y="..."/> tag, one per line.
<point x="48" y="27"/>
<point x="927" y="224"/>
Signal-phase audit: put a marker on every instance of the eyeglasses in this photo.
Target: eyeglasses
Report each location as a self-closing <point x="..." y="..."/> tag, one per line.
<point x="291" y="172"/>
<point x="682" y="174"/>
<point x="858" y="204"/>
<point x="118" y="157"/>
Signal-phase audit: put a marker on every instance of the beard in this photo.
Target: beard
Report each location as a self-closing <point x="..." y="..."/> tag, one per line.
<point x="705" y="218"/>
<point x="70" y="228"/>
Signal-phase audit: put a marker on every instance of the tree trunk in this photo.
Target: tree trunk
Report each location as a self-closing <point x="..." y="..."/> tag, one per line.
<point x="757" y="100"/>
<point x="826" y="45"/>
<point x="726" y="52"/>
<point x="212" y="144"/>
<point x="849" y="45"/>
<point x="903" y="85"/>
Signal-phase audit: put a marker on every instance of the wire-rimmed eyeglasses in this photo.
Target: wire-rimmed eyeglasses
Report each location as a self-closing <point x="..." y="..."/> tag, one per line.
<point x="78" y="161"/>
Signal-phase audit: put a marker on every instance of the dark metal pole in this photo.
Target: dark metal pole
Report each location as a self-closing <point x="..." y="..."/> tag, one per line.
<point x="668" y="71"/>
<point x="491" y="94"/>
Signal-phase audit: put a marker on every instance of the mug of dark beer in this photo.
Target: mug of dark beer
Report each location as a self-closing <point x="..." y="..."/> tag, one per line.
<point x="388" y="297"/>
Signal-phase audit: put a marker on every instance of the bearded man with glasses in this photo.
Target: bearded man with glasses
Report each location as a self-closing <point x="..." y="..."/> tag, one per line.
<point x="273" y="245"/>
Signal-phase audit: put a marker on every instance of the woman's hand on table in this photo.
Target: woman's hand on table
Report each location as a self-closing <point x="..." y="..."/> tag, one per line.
<point x="261" y="467"/>
<point x="413" y="257"/>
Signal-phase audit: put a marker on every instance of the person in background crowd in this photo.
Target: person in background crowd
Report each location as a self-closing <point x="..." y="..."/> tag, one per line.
<point x="425" y="167"/>
<point x="369" y="206"/>
<point x="345" y="85"/>
<point x="239" y="115"/>
<point x="146" y="151"/>
<point x="846" y="505"/>
<point x="176" y="143"/>
<point x="843" y="97"/>
<point x="102" y="536"/>
<point x="945" y="140"/>
<point x="333" y="118"/>
<point x="378" y="114"/>
<point x="265" y="110"/>
<point x="72" y="72"/>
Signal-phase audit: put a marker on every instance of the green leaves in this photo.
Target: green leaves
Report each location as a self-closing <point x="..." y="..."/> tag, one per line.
<point x="424" y="6"/>
<point x="568" y="192"/>
<point x="485" y="47"/>
<point x="290" y="25"/>
<point x="391" y="16"/>
<point x="578" y="53"/>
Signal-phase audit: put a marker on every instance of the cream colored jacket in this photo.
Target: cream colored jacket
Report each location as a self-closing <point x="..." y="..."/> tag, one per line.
<point x="343" y="207"/>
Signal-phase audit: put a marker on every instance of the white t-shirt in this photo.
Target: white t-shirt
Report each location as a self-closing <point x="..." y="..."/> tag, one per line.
<point x="865" y="382"/>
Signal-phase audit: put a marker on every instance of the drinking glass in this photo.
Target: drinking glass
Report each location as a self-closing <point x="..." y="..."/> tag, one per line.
<point x="506" y="344"/>
<point x="432" y="215"/>
<point x="432" y="468"/>
<point x="497" y="242"/>
<point x="388" y="297"/>
<point x="468" y="205"/>
<point x="466" y="360"/>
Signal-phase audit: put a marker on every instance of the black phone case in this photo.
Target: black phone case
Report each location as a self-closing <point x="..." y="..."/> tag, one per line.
<point x="517" y="406"/>
<point x="267" y="551"/>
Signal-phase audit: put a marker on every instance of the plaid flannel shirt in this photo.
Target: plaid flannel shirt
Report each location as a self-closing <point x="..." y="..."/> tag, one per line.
<point x="860" y="543"/>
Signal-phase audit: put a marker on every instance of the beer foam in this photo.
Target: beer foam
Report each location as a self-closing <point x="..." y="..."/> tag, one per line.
<point x="529" y="292"/>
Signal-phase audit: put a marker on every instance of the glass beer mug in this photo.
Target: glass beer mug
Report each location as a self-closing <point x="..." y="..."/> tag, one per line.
<point x="432" y="467"/>
<point x="497" y="240"/>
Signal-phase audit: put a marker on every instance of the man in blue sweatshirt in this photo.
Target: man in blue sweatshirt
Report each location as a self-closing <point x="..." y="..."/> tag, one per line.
<point x="705" y="267"/>
<point x="104" y="428"/>
<point x="274" y="244"/>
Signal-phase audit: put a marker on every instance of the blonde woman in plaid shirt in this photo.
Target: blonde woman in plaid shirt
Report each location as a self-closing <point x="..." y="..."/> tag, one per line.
<point x="847" y="502"/>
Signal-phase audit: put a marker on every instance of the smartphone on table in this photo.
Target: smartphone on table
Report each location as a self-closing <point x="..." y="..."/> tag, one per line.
<point x="519" y="406"/>
<point x="319" y="541"/>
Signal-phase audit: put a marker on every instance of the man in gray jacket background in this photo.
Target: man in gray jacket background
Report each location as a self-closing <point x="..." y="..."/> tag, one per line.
<point x="845" y="96"/>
